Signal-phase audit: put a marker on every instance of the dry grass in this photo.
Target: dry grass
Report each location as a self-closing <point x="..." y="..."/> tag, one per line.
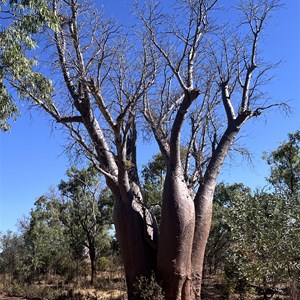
<point x="112" y="294"/>
<point x="110" y="286"/>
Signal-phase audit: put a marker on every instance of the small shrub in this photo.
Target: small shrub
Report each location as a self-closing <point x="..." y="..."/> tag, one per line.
<point x="104" y="264"/>
<point x="234" y="282"/>
<point x="148" y="289"/>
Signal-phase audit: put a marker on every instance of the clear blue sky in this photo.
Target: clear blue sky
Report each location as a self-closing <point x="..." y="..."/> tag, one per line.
<point x="32" y="158"/>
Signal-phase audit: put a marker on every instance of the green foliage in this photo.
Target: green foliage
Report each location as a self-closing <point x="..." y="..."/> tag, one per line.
<point x="219" y="238"/>
<point x="8" y="109"/>
<point x="104" y="263"/>
<point x="148" y="288"/>
<point x="255" y="237"/>
<point x="284" y="177"/>
<point x="11" y="249"/>
<point x="261" y="236"/>
<point x="85" y="210"/>
<point x="285" y="166"/>
<point x="45" y="240"/>
<point x="79" y="182"/>
<point x="23" y="20"/>
<point x="64" y="229"/>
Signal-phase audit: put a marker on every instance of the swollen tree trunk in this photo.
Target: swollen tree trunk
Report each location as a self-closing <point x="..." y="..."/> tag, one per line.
<point x="137" y="236"/>
<point x="185" y="224"/>
<point x="178" y="217"/>
<point x="176" y="237"/>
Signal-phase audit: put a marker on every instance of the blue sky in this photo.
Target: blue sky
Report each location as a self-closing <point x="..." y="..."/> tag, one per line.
<point x="32" y="158"/>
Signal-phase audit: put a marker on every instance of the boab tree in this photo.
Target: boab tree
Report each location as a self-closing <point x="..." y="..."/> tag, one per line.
<point x="205" y="69"/>
<point x="187" y="73"/>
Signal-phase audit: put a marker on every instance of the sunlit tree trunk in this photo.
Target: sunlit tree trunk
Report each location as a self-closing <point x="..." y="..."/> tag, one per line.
<point x="176" y="237"/>
<point x="174" y="74"/>
<point x="203" y="208"/>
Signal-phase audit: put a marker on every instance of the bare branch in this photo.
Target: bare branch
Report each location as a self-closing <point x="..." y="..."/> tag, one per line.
<point x="71" y="119"/>
<point x="100" y="101"/>
<point x="149" y="22"/>
<point x="227" y="102"/>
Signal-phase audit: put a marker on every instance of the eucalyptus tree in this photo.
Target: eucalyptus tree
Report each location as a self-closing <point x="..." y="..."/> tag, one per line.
<point x="216" y="254"/>
<point x="20" y="20"/>
<point x="256" y="234"/>
<point x="188" y="72"/>
<point x="284" y="178"/>
<point x="45" y="242"/>
<point x="86" y="214"/>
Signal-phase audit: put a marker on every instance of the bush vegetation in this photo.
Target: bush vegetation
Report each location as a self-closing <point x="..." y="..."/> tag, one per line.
<point x="253" y="249"/>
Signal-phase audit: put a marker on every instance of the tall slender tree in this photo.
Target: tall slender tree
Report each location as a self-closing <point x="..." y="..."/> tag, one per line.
<point x="45" y="243"/>
<point x="85" y="215"/>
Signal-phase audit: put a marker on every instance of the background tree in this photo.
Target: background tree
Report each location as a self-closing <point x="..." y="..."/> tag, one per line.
<point x="284" y="178"/>
<point x="10" y="256"/>
<point x="62" y="231"/>
<point x="45" y="242"/>
<point x="87" y="214"/>
<point x="153" y="175"/>
<point x="189" y="69"/>
<point x="219" y="239"/>
<point x="262" y="251"/>
<point x="285" y="167"/>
